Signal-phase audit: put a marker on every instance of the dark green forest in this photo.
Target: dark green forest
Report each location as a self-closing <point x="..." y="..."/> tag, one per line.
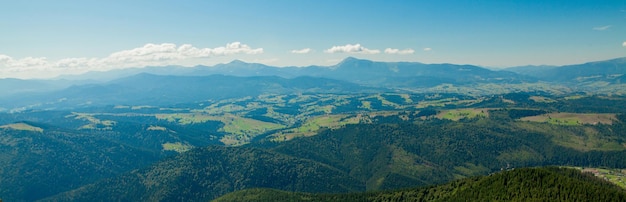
<point x="524" y="184"/>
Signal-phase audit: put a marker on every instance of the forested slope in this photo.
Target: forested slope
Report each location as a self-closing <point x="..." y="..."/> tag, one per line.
<point x="525" y="184"/>
<point x="389" y="154"/>
<point x="206" y="173"/>
<point x="40" y="161"/>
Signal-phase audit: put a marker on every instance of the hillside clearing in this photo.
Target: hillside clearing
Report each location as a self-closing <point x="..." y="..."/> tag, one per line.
<point x="22" y="126"/>
<point x="458" y="114"/>
<point x="573" y="118"/>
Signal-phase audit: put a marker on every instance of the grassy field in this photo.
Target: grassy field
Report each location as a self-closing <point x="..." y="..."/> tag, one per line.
<point x="242" y="126"/>
<point x="542" y="99"/>
<point x="314" y="124"/>
<point x="572" y="118"/>
<point x="366" y="104"/>
<point x="22" y="126"/>
<point x="458" y="114"/>
<point x="443" y="102"/>
<point x="229" y="108"/>
<point x="159" y="128"/>
<point x="94" y="123"/>
<point x="407" y="98"/>
<point x="176" y="146"/>
<point x="583" y="138"/>
<point x="239" y="130"/>
<point x="386" y="102"/>
<point x="615" y="176"/>
<point x="574" y="97"/>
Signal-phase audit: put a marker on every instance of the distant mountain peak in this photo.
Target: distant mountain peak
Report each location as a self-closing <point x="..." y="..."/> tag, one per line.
<point x="351" y="60"/>
<point x="237" y="61"/>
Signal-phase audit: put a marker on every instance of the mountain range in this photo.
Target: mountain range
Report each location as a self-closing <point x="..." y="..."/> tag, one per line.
<point x="197" y="133"/>
<point x="175" y="84"/>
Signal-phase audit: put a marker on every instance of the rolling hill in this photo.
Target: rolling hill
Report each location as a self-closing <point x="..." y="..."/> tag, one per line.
<point x="388" y="154"/>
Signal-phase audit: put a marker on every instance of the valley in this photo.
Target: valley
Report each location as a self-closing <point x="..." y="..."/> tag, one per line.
<point x="281" y="100"/>
<point x="142" y="138"/>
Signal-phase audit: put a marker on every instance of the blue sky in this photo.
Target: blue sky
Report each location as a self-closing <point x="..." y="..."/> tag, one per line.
<point x="47" y="38"/>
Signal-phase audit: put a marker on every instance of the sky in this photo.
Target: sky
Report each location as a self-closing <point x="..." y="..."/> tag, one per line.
<point x="43" y="39"/>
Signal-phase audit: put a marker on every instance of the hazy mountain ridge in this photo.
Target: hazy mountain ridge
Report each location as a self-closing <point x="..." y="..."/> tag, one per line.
<point x="174" y="84"/>
<point x="366" y="71"/>
<point x="149" y="89"/>
<point x="10" y="86"/>
<point x="608" y="69"/>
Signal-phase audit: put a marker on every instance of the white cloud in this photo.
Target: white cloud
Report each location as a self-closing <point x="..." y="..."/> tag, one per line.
<point x="10" y="64"/>
<point x="147" y="55"/>
<point x="349" y="48"/>
<point x="302" y="51"/>
<point x="602" y="28"/>
<point x="624" y="44"/>
<point x="168" y="51"/>
<point x="4" y="58"/>
<point x="399" y="52"/>
<point x="428" y="49"/>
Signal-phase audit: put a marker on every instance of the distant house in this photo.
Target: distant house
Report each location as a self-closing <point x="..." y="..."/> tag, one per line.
<point x="591" y="170"/>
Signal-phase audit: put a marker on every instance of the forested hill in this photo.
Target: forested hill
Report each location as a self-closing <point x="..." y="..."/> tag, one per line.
<point x="207" y="173"/>
<point x="388" y="154"/>
<point x="525" y="184"/>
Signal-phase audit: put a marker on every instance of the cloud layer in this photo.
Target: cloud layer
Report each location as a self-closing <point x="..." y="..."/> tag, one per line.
<point x="147" y="55"/>
<point x="302" y="51"/>
<point x="399" y="52"/>
<point x="350" y="48"/>
<point x="154" y="55"/>
<point x="169" y="51"/>
<point x="358" y="48"/>
<point x="602" y="28"/>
